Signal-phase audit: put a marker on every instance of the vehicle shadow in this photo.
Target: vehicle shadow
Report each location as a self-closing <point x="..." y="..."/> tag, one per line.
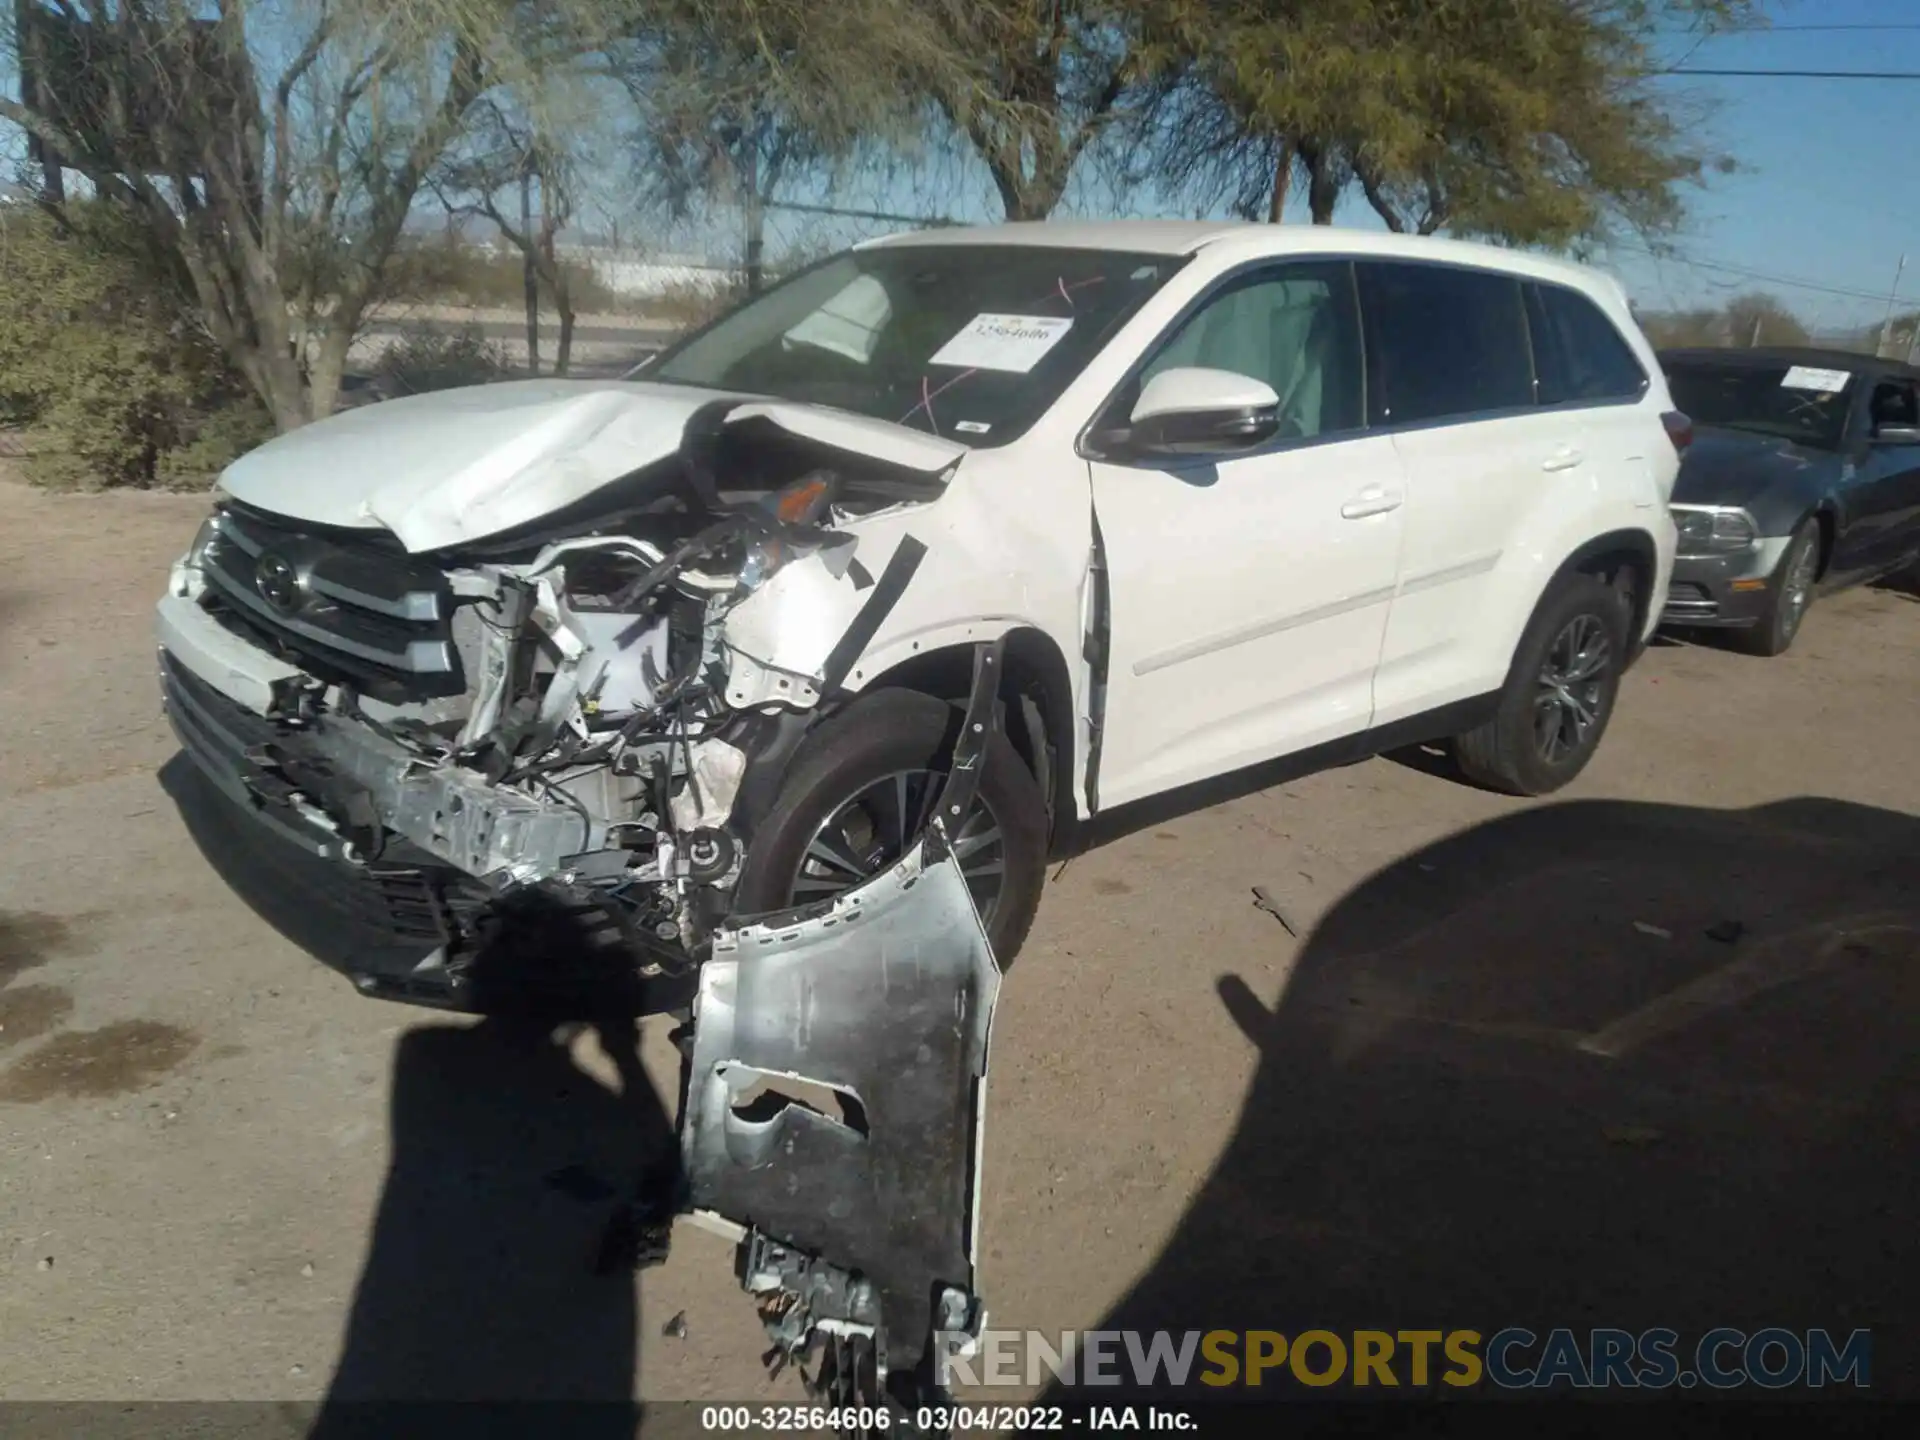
<point x="495" y="1269"/>
<point x="483" y="1278"/>
<point x="1903" y="583"/>
<point x="1594" y="1064"/>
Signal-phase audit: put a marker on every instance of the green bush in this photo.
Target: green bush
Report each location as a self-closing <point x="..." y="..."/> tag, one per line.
<point x="103" y="358"/>
<point x="427" y="357"/>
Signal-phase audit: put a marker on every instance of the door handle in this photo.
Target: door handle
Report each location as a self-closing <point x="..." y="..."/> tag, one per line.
<point x="1564" y="458"/>
<point x="1371" y="501"/>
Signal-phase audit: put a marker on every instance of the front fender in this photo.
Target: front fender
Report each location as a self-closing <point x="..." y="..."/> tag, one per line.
<point x="907" y="594"/>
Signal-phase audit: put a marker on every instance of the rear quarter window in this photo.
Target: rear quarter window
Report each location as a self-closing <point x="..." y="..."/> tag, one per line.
<point x="1443" y="342"/>
<point x="1578" y="353"/>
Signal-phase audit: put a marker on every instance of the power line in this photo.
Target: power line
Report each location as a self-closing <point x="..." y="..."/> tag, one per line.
<point x="1766" y="30"/>
<point x="1805" y="74"/>
<point x="1776" y="29"/>
<point x="1747" y="274"/>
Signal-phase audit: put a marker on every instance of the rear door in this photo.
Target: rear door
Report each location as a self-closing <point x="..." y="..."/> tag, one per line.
<point x="1581" y="362"/>
<point x="1450" y="376"/>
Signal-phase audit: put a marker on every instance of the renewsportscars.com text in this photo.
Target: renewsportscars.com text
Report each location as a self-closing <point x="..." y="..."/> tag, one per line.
<point x="1510" y="1359"/>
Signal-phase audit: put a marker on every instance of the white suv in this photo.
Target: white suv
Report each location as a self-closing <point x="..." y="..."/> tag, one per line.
<point x="1212" y="503"/>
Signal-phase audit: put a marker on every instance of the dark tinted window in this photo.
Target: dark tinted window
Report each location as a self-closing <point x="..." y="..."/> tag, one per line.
<point x="1894" y="402"/>
<point x="1442" y="341"/>
<point x="1805" y="404"/>
<point x="1293" y="326"/>
<point x="1577" y="354"/>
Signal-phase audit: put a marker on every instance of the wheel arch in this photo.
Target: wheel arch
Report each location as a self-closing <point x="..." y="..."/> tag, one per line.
<point x="1626" y="559"/>
<point x="1826" y="514"/>
<point x="1036" y="691"/>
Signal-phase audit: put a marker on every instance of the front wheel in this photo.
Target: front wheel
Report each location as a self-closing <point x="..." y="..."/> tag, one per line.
<point x="1559" y="695"/>
<point x="861" y="792"/>
<point x="1789" y="595"/>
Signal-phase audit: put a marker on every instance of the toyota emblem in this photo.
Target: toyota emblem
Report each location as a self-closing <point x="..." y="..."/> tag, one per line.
<point x="278" y="582"/>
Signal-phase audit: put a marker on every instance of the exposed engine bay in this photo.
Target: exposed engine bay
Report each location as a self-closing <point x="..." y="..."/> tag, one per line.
<point x="558" y="711"/>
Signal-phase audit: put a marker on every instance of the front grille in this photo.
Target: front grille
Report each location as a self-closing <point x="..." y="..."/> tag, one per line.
<point x="1689" y="601"/>
<point x="342" y="607"/>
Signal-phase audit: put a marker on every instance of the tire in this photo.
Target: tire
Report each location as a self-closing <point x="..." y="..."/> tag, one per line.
<point x="1518" y="751"/>
<point x="1789" y="595"/>
<point x="862" y="752"/>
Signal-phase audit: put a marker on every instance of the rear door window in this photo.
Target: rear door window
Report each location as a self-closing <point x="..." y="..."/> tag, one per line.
<point x="1443" y="342"/>
<point x="1578" y="355"/>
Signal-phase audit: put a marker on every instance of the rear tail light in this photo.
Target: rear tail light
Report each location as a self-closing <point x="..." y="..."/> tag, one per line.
<point x="1679" y="430"/>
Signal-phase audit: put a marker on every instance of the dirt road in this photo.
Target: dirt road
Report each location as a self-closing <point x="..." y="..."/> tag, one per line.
<point x="1504" y="1076"/>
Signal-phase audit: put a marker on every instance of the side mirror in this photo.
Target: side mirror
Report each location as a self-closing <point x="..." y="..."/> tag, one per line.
<point x="1193" y="410"/>
<point x="1896" y="435"/>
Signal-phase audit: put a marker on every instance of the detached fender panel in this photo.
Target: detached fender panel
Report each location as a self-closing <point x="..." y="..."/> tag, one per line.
<point x="882" y="1005"/>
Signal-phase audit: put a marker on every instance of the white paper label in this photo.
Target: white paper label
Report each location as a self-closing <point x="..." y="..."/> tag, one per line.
<point x="1014" y="343"/>
<point x="1805" y="377"/>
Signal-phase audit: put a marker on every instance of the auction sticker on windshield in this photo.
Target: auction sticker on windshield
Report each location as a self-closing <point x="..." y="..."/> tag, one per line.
<point x="1013" y="343"/>
<point x="1806" y="377"/>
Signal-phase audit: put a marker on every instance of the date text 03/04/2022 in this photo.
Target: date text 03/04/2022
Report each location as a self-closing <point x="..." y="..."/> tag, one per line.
<point x="799" y="1419"/>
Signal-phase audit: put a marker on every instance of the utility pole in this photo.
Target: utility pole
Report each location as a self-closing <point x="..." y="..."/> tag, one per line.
<point x="1893" y="299"/>
<point x="756" y="216"/>
<point x="529" y="272"/>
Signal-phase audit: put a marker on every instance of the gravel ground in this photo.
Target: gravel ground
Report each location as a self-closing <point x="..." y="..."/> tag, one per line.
<point x="1503" y="1076"/>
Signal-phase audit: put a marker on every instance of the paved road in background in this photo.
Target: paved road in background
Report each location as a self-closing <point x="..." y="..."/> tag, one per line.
<point x="641" y="336"/>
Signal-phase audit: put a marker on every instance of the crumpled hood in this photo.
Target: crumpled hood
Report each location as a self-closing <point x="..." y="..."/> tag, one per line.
<point x="459" y="465"/>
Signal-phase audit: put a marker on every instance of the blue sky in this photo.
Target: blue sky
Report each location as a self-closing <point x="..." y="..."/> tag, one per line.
<point x="1828" y="191"/>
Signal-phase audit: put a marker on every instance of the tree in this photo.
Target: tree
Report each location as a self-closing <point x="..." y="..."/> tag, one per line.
<point x="275" y="152"/>
<point x="1761" y="319"/>
<point x="1752" y="319"/>
<point x="517" y="154"/>
<point x="1529" y="121"/>
<point x="1043" y="81"/>
<point x="737" y="99"/>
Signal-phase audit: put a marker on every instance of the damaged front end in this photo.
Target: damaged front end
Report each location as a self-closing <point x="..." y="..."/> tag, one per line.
<point x="559" y="717"/>
<point x="558" y="713"/>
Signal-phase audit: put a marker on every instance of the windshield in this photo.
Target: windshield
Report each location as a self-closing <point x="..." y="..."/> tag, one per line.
<point x="1805" y="404"/>
<point x="971" y="342"/>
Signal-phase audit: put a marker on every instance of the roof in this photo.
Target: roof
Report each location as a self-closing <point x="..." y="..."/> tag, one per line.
<point x="1246" y="240"/>
<point x="1147" y="237"/>
<point x="1851" y="360"/>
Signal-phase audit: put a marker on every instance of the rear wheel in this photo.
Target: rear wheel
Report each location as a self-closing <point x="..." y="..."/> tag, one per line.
<point x="859" y="796"/>
<point x="1559" y="694"/>
<point x="1789" y="595"/>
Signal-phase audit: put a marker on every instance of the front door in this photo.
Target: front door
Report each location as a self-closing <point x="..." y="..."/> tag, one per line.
<point x="1881" y="492"/>
<point x="1248" y="592"/>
